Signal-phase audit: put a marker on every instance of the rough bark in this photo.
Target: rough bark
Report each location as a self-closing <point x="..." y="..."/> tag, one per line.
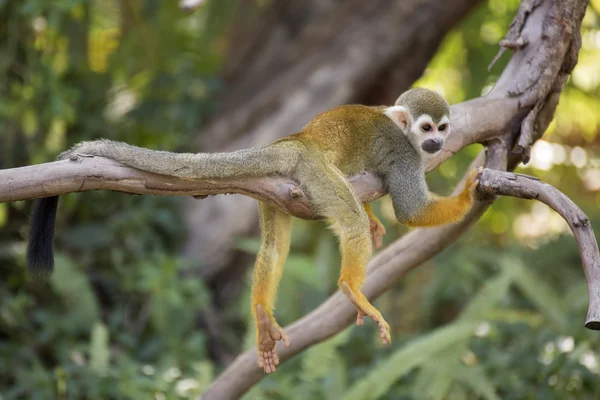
<point x="83" y="172"/>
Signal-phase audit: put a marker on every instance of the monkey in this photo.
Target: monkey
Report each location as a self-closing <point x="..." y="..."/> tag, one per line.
<point x="390" y="141"/>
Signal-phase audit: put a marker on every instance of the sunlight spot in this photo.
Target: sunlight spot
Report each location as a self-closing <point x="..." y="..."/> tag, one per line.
<point x="590" y="361"/>
<point x="542" y="155"/>
<point x="185" y="386"/>
<point x="559" y="154"/>
<point x="591" y="180"/>
<point x="540" y="212"/>
<point x="171" y="374"/>
<point x="39" y="24"/>
<point x="189" y="4"/>
<point x="566" y="344"/>
<point x="586" y="77"/>
<point x="123" y="100"/>
<point x="483" y="329"/>
<point x="524" y="226"/>
<point x="578" y="157"/>
<point x="148" y="369"/>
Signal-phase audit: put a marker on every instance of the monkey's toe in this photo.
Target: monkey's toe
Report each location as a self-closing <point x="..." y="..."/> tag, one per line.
<point x="384" y="330"/>
<point x="268" y="334"/>
<point x="377" y="232"/>
<point x="268" y="360"/>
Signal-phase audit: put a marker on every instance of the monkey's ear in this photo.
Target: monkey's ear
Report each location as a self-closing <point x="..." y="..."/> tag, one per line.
<point x="400" y="116"/>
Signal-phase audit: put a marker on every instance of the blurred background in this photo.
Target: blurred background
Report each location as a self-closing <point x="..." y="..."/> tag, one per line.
<point x="150" y="297"/>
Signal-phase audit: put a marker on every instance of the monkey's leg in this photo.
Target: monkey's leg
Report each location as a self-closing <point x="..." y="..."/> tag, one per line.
<point x="276" y="229"/>
<point x="377" y="228"/>
<point x="335" y="199"/>
<point x="356" y="249"/>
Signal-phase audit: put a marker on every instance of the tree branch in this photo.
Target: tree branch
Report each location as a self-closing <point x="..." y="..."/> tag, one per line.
<point x="83" y="173"/>
<point x="477" y="120"/>
<point x="527" y="187"/>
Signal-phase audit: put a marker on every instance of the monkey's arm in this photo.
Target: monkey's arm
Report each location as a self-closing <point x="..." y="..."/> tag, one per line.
<point x="415" y="205"/>
<point x="443" y="210"/>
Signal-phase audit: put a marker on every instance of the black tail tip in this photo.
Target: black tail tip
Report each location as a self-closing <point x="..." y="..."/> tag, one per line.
<point x="40" y="255"/>
<point x="39" y="267"/>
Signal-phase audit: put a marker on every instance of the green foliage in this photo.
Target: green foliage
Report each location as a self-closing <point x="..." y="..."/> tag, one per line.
<point x="118" y="317"/>
<point x="499" y="315"/>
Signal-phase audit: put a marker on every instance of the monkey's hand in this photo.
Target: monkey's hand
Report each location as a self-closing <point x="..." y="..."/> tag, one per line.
<point x="267" y="335"/>
<point x="365" y="308"/>
<point x="472" y="182"/>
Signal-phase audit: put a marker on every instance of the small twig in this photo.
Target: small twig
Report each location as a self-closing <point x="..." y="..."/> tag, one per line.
<point x="514" y="39"/>
<point x="527" y="187"/>
<point x="513" y="45"/>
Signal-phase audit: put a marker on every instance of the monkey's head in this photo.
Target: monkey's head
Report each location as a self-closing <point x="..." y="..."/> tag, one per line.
<point x="424" y="117"/>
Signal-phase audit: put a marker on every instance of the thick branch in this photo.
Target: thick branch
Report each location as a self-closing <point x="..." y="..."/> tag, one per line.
<point x="98" y="173"/>
<point x="477" y="120"/>
<point x="527" y="187"/>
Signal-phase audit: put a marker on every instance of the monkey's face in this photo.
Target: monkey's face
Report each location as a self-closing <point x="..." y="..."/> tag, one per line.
<point x="425" y="133"/>
<point x="431" y="135"/>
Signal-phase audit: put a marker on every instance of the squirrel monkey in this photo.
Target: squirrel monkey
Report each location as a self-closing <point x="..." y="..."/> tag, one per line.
<point x="340" y="142"/>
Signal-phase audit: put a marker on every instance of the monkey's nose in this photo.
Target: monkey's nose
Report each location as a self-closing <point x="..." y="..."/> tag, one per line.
<point x="432" y="145"/>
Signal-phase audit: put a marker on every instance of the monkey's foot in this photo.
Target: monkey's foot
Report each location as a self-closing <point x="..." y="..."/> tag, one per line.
<point x="377" y="231"/>
<point x="267" y="334"/>
<point x="363" y="307"/>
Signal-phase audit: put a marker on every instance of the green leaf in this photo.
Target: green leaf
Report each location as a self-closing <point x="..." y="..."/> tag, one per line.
<point x="539" y="293"/>
<point x="415" y="353"/>
<point x="99" y="352"/>
<point x="476" y="380"/>
<point x="72" y="285"/>
<point x="490" y="295"/>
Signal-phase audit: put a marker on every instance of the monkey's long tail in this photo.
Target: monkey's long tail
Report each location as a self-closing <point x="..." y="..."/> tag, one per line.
<point x="40" y="256"/>
<point x="270" y="160"/>
<point x="202" y="166"/>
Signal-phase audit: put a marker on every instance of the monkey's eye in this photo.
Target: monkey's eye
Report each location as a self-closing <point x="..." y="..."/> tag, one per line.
<point x="442" y="127"/>
<point x="426" y="128"/>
